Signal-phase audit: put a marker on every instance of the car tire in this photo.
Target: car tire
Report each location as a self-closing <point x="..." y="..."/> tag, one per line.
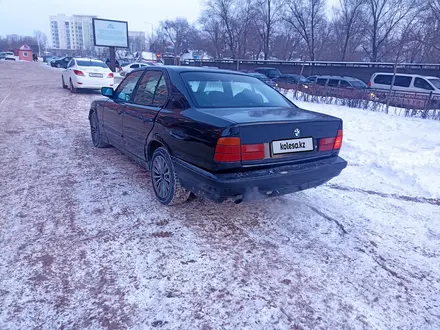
<point x="58" y="65"/>
<point x="72" y="89"/>
<point x="62" y="83"/>
<point x="96" y="132"/>
<point x="164" y="180"/>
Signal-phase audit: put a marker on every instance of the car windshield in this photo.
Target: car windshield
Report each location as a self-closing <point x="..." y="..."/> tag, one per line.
<point x="357" y="83"/>
<point x="91" y="63"/>
<point x="223" y="90"/>
<point x="273" y="72"/>
<point x="435" y="82"/>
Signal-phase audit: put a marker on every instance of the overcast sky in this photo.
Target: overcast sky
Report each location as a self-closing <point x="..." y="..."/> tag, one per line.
<point x="23" y="17"/>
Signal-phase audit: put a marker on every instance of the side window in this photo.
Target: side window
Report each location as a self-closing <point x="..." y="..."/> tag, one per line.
<point x="402" y="81"/>
<point x="134" y="66"/>
<point x="333" y="82"/>
<point x="422" y="83"/>
<point x="126" y="87"/>
<point x="161" y="95"/>
<point x="147" y="87"/>
<point x="344" y="84"/>
<point x="383" y="79"/>
<point x="321" y="81"/>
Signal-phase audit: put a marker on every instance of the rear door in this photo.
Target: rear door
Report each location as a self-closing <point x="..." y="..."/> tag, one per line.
<point x="150" y="96"/>
<point x="114" y="108"/>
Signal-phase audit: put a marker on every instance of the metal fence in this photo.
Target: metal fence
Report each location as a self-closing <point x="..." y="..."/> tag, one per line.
<point x="423" y="105"/>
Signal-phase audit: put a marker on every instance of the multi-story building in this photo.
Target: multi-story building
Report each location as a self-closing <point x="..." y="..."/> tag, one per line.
<point x="71" y="32"/>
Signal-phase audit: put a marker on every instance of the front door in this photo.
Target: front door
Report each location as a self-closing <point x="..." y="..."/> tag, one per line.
<point x="150" y="96"/>
<point x="114" y="108"/>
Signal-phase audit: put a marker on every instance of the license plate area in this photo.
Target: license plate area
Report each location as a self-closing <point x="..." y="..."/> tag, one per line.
<point x="95" y="75"/>
<point x="292" y="146"/>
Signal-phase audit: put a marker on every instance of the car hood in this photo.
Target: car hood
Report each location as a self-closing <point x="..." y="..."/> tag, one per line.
<point x="258" y="115"/>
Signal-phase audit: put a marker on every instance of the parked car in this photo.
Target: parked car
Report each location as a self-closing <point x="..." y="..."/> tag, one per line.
<point x="130" y="67"/>
<point x="85" y="73"/>
<point x="263" y="78"/>
<point x="290" y="80"/>
<point x="9" y="56"/>
<point x="405" y="82"/>
<point x="218" y="134"/>
<point x="338" y="81"/>
<point x="271" y="73"/>
<point x="61" y="62"/>
<point x="2" y="55"/>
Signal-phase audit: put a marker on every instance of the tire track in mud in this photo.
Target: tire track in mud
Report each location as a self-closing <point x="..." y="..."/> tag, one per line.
<point x="423" y="200"/>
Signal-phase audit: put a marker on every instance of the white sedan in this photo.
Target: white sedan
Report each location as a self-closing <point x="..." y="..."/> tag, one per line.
<point x="130" y="67"/>
<point x="85" y="73"/>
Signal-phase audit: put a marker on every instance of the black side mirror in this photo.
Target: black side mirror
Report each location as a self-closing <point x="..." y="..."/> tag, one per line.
<point x="107" y="91"/>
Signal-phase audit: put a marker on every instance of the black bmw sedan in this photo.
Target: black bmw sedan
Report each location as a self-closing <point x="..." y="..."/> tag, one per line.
<point x="217" y="134"/>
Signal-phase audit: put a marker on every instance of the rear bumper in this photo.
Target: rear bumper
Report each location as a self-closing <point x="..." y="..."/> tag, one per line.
<point x="258" y="184"/>
<point x="91" y="83"/>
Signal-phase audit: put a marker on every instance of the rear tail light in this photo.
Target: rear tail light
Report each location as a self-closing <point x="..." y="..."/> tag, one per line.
<point x="332" y="143"/>
<point x="252" y="151"/>
<point x="230" y="149"/>
<point x="78" y="72"/>
<point x="369" y="84"/>
<point x="338" y="140"/>
<point x="227" y="150"/>
<point x="110" y="75"/>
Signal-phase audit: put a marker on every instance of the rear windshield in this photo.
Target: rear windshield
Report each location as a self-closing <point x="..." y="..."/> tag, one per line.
<point x="223" y="90"/>
<point x="435" y="82"/>
<point x="91" y="63"/>
<point x="356" y="83"/>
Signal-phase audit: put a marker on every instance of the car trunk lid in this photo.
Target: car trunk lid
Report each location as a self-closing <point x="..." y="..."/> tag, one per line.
<point x="284" y="134"/>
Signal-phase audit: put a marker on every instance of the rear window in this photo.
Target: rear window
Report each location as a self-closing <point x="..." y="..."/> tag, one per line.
<point x="356" y="83"/>
<point x="333" y="83"/>
<point x="91" y="63"/>
<point x="400" y="81"/>
<point x="223" y="90"/>
<point x="383" y="79"/>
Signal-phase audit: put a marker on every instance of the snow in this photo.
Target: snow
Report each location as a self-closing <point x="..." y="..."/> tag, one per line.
<point x="387" y="153"/>
<point x="85" y="245"/>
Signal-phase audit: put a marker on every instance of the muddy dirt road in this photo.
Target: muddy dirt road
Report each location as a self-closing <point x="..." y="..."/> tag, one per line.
<point x="84" y="244"/>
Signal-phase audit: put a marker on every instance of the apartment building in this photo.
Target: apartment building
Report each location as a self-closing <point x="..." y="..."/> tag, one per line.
<point x="71" y="32"/>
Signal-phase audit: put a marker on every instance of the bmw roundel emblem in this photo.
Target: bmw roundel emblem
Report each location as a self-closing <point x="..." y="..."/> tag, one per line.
<point x="296" y="132"/>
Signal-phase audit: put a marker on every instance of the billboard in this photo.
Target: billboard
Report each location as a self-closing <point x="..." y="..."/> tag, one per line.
<point x="110" y="33"/>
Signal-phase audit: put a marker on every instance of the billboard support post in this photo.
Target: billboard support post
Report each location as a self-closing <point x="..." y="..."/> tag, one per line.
<point x="112" y="58"/>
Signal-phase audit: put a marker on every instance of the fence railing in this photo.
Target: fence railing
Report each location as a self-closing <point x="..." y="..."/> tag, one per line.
<point x="423" y="105"/>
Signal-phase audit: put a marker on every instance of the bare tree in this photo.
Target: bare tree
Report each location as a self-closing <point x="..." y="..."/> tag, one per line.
<point x="267" y="17"/>
<point x="212" y="31"/>
<point x="41" y="40"/>
<point x="348" y="26"/>
<point x="180" y="33"/>
<point x="385" y="17"/>
<point x="307" y="17"/>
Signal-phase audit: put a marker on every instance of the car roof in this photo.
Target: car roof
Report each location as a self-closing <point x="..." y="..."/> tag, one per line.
<point x="335" y="77"/>
<point x="405" y="75"/>
<point x="187" y="68"/>
<point x="87" y="59"/>
<point x="266" y="68"/>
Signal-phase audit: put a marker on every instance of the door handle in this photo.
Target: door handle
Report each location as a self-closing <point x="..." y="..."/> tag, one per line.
<point x="149" y="120"/>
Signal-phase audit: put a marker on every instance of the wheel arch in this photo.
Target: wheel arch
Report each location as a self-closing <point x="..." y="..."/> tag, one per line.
<point x="155" y="142"/>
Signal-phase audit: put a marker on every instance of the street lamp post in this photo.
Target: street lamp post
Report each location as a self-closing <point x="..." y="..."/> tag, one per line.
<point x="151" y="38"/>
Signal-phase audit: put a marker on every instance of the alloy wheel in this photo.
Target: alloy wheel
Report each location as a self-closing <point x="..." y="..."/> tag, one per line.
<point x="161" y="177"/>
